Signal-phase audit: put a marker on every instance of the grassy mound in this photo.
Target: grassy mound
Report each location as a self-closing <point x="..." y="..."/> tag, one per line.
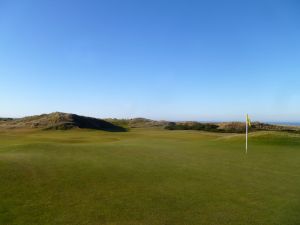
<point x="59" y="121"/>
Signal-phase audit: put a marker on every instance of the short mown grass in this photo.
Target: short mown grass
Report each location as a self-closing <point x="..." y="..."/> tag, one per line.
<point x="148" y="177"/>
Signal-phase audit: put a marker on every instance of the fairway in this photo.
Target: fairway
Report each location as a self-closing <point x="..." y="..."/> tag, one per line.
<point x="148" y="177"/>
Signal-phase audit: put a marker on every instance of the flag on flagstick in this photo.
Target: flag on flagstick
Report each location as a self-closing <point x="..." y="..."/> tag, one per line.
<point x="248" y="124"/>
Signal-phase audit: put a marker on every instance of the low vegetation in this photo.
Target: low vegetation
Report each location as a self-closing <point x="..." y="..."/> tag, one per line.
<point x="193" y="126"/>
<point x="138" y="123"/>
<point x="230" y="127"/>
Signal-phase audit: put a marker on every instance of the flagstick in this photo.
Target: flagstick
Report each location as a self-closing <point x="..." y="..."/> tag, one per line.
<point x="246" y="135"/>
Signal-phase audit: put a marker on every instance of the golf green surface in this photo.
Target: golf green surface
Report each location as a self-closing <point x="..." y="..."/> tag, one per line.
<point x="148" y="177"/>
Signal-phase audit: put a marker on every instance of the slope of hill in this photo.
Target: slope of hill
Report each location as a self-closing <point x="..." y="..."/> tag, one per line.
<point x="59" y="121"/>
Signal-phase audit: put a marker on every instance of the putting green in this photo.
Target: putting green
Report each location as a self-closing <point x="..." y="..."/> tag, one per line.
<point x="148" y="177"/>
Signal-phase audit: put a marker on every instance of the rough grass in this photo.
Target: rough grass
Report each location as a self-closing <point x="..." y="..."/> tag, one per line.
<point x="153" y="177"/>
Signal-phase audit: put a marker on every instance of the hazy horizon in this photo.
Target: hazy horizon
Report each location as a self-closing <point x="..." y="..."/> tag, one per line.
<point x="185" y="60"/>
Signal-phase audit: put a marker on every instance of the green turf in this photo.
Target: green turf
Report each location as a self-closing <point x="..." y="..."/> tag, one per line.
<point x="153" y="177"/>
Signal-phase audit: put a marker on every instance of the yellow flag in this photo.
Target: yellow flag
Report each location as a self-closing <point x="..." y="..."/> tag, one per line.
<point x="248" y="121"/>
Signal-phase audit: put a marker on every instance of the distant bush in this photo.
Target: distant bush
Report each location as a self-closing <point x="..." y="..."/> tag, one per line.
<point x="192" y="126"/>
<point x="6" y="119"/>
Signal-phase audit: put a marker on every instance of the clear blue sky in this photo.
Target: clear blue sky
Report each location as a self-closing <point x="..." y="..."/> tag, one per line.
<point x="176" y="60"/>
